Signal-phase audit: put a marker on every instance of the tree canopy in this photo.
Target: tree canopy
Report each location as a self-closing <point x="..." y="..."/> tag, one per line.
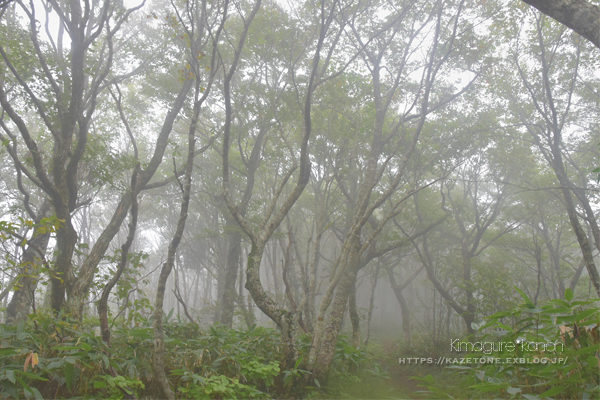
<point x="174" y="171"/>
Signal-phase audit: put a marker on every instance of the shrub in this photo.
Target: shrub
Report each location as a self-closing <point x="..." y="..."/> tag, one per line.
<point x="554" y="353"/>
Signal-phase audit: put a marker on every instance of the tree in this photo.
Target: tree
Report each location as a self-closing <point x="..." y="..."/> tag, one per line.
<point x="554" y="108"/>
<point x="399" y="107"/>
<point x="324" y="36"/>
<point x="72" y="71"/>
<point x="257" y="102"/>
<point x="197" y="20"/>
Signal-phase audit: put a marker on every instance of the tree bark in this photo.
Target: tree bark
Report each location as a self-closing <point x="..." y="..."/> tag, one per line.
<point x="331" y="332"/>
<point x="354" y="317"/>
<point x="232" y="266"/>
<point x="22" y="300"/>
<point x="467" y="280"/>
<point x="406" y="326"/>
<point x="581" y="16"/>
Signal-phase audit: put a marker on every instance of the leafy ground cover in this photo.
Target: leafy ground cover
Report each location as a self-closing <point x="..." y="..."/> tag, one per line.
<point x="49" y="357"/>
<point x="555" y="355"/>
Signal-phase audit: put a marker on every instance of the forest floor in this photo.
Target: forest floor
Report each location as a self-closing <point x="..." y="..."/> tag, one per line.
<point x="386" y="351"/>
<point x="399" y="385"/>
<point x="400" y="378"/>
<point x="400" y="375"/>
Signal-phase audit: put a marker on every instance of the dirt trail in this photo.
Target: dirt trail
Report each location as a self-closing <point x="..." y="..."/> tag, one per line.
<point x="399" y="374"/>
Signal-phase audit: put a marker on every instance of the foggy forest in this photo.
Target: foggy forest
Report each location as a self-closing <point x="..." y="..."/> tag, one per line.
<point x="281" y="199"/>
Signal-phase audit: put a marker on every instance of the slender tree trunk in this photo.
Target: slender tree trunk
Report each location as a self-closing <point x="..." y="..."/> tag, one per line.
<point x="22" y="300"/>
<point x="103" y="303"/>
<point x="234" y="250"/>
<point x="309" y="301"/>
<point x="374" y="280"/>
<point x="221" y="264"/>
<point x="580" y="233"/>
<point x="469" y="315"/>
<point x="403" y="307"/>
<point x="577" y="276"/>
<point x="354" y="317"/>
<point x="538" y="261"/>
<point x="159" y="335"/>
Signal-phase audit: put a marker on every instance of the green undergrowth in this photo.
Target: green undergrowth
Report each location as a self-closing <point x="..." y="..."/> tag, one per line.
<point x="404" y="378"/>
<point x="355" y="374"/>
<point x="532" y="352"/>
<point x="47" y="357"/>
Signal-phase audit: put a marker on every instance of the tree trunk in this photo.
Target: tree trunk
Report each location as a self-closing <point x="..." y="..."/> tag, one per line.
<point x="66" y="238"/>
<point x="234" y="250"/>
<point x="103" y="302"/>
<point x="354" y="317"/>
<point x="331" y="333"/>
<point x="580" y="15"/>
<point x="284" y="319"/>
<point x="469" y="315"/>
<point x="403" y="306"/>
<point x="159" y="335"/>
<point x="22" y="300"/>
<point x="371" y="303"/>
<point x="580" y="233"/>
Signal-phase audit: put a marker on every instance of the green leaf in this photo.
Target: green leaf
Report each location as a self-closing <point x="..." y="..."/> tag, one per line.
<point x="561" y="310"/>
<point x="568" y="294"/>
<point x="9" y="351"/>
<point x="20" y="327"/>
<point x="588" y="350"/>
<point x="592" y="361"/>
<point x="99" y="384"/>
<point x="37" y="394"/>
<point x="551" y="392"/>
<point x="577" y="317"/>
<point x="141" y="333"/>
<point x="500" y="314"/>
<point x="488" y="387"/>
<point x="10" y="375"/>
<point x="65" y="348"/>
<point x="513" y="391"/>
<point x="32" y="376"/>
<point x="9" y="388"/>
<point x="56" y="364"/>
<point x="561" y="302"/>
<point x="524" y="296"/>
<point x="69" y="369"/>
<point x="488" y="324"/>
<point x="85" y="346"/>
<point x="25" y="386"/>
<point x="506" y="327"/>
